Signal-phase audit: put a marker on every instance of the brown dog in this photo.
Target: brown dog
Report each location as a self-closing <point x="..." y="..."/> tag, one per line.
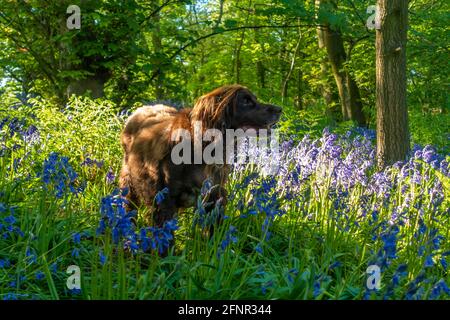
<point x="147" y="143"/>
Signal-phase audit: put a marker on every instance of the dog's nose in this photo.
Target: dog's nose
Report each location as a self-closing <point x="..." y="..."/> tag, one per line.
<point x="275" y="109"/>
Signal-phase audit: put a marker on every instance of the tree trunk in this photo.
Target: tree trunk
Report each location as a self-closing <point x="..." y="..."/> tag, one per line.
<point x="299" y="98"/>
<point x="237" y="62"/>
<point x="348" y="89"/>
<point x="327" y="93"/>
<point x="157" y="51"/>
<point x="284" y="90"/>
<point x="93" y="84"/>
<point x="219" y="19"/>
<point x="392" y="114"/>
<point x="261" y="74"/>
<point x="260" y="69"/>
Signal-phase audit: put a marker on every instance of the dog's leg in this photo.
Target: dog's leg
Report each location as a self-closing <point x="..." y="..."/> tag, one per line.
<point x="216" y="202"/>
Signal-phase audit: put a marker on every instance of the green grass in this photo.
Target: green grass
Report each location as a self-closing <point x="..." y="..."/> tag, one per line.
<point x="295" y="263"/>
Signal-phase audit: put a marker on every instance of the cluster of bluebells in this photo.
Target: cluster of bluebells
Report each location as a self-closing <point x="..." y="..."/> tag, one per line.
<point x="157" y="238"/>
<point x="9" y="223"/>
<point x="344" y="169"/>
<point x="88" y="162"/>
<point x="120" y="222"/>
<point x="15" y="127"/>
<point x="58" y="175"/>
<point x="230" y="237"/>
<point x="116" y="218"/>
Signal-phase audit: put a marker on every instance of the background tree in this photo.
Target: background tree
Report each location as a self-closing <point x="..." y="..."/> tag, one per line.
<point x="314" y="57"/>
<point x="392" y="115"/>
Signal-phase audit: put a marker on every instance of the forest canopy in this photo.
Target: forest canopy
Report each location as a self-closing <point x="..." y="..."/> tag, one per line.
<point x="132" y="51"/>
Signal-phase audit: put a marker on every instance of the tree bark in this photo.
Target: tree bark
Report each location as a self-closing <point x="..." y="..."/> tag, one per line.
<point x="349" y="96"/>
<point x="157" y="51"/>
<point x="324" y="69"/>
<point x="219" y="19"/>
<point x="392" y="114"/>
<point x="284" y="90"/>
<point x="237" y="62"/>
<point x="299" y="98"/>
<point x="94" y="84"/>
<point x="348" y="89"/>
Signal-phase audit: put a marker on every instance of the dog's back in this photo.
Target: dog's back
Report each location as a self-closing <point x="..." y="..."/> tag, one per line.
<point x="144" y="118"/>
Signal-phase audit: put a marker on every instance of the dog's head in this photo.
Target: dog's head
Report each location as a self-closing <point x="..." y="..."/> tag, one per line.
<point x="234" y="107"/>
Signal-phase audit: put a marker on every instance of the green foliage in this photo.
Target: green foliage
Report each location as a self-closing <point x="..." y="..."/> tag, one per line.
<point x="294" y="264"/>
<point x="142" y="51"/>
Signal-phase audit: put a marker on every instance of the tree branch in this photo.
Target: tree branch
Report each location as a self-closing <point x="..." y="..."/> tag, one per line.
<point x="157" y="10"/>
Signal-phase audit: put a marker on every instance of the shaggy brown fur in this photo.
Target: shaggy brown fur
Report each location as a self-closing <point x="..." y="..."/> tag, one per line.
<point x="147" y="166"/>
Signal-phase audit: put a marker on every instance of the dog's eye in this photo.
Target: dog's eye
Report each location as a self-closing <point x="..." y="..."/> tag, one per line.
<point x="248" y="102"/>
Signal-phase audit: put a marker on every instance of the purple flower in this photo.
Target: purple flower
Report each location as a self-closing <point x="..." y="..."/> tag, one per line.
<point x="40" y="275"/>
<point x="429" y="261"/>
<point x="157" y="238"/>
<point x="230" y="237"/>
<point x="439" y="288"/>
<point x="58" y="173"/>
<point x="161" y="195"/>
<point x="4" y="263"/>
<point x="76" y="238"/>
<point x="75" y="253"/>
<point x="102" y="258"/>
<point x="110" y="176"/>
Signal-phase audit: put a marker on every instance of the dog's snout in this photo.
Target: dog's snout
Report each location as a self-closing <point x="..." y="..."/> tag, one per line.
<point x="275" y="109"/>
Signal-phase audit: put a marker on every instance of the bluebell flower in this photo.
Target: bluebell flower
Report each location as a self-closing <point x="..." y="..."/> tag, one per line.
<point x="390" y="242"/>
<point x="116" y="218"/>
<point x="75" y="253"/>
<point x="110" y="176"/>
<point x="4" y="263"/>
<point x="292" y="272"/>
<point x="206" y="186"/>
<point x="334" y="265"/>
<point x="428" y="154"/>
<point x="75" y="292"/>
<point x="317" y="290"/>
<point x="40" y="275"/>
<point x="102" y="258"/>
<point x="152" y="238"/>
<point x="439" y="288"/>
<point x="88" y="162"/>
<point x="161" y="195"/>
<point x="31" y="135"/>
<point x="429" y="261"/>
<point x="266" y="286"/>
<point x="59" y="174"/>
<point x="10" y="219"/>
<point x="230" y="237"/>
<point x="10" y="296"/>
<point x="444" y="263"/>
<point x="54" y="267"/>
<point x="76" y="238"/>
<point x="31" y="255"/>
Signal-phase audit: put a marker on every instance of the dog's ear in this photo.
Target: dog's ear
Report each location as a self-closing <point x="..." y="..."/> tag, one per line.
<point x="203" y="111"/>
<point x="216" y="109"/>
